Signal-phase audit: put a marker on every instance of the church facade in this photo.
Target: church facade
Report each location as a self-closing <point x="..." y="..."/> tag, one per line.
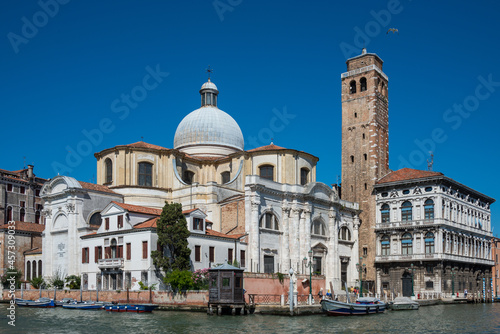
<point x="264" y="202"/>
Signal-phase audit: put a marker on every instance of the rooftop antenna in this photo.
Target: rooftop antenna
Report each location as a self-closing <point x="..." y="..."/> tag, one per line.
<point x="209" y="70"/>
<point x="142" y="138"/>
<point x="24" y="162"/>
<point x="430" y="161"/>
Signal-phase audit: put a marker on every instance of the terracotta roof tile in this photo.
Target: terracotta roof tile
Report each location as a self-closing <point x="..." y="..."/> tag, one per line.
<point x="185" y="212"/>
<point x="139" y="209"/>
<point x="25" y="226"/>
<point x="141" y="144"/>
<point x="407" y="174"/>
<point x="223" y="235"/>
<point x="267" y="148"/>
<point x="96" y="187"/>
<point x="148" y="223"/>
<point x="33" y="251"/>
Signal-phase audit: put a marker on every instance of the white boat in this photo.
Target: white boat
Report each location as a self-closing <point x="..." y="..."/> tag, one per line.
<point x="363" y="306"/>
<point x="404" y="303"/>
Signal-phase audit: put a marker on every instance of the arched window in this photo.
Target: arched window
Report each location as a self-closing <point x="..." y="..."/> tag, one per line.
<point x="269" y="221"/>
<point x="352" y="87"/>
<point x="188" y="177"/>
<point x="385" y="213"/>
<point x="28" y="270"/>
<point x="95" y="220"/>
<point x="145" y="174"/>
<point x="304" y="176"/>
<point x="9" y="213"/>
<point x="113" y="248"/>
<point x="429" y="209"/>
<point x="226" y="177"/>
<point x="39" y="268"/>
<point x="21" y="214"/>
<point x="266" y="172"/>
<point x="362" y="83"/>
<point x="345" y="234"/>
<point x="429" y="243"/>
<point x="406" y="244"/>
<point x="34" y="269"/>
<point x="109" y="170"/>
<point x="406" y="211"/>
<point x="385" y="245"/>
<point x="318" y="228"/>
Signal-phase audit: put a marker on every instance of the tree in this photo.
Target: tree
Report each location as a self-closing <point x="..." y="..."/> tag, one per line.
<point x="37" y="282"/>
<point x="73" y="282"/>
<point x="6" y="279"/>
<point x="173" y="233"/>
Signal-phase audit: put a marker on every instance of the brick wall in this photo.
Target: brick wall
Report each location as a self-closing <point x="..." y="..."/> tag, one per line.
<point x="233" y="217"/>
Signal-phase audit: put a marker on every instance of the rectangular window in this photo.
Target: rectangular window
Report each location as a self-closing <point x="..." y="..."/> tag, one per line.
<point x="145" y="174"/>
<point x="198" y="224"/>
<point x="212" y="254"/>
<point x="106" y="226"/>
<point x="429" y="285"/>
<point x="365" y="251"/>
<point x="429" y="269"/>
<point x="120" y="221"/>
<point x="230" y="255"/>
<point x="197" y="253"/>
<point x="9" y="187"/>
<point x="22" y="204"/>
<point x="129" y="251"/>
<point x="98" y="253"/>
<point x="107" y="252"/>
<point x="22" y="190"/>
<point x="266" y="172"/>
<point x="242" y="259"/>
<point x="268" y="264"/>
<point x="120" y="251"/>
<point x="85" y="255"/>
<point x="144" y="249"/>
<point x="37" y="192"/>
<point x="386" y="248"/>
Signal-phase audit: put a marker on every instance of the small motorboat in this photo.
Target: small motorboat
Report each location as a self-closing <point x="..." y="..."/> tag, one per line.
<point x="64" y="301"/>
<point x="41" y="302"/>
<point x="404" y="303"/>
<point x="87" y="305"/>
<point x="363" y="306"/>
<point x="136" y="308"/>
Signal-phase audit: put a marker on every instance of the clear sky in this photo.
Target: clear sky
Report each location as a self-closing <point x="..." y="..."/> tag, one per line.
<point x="74" y="70"/>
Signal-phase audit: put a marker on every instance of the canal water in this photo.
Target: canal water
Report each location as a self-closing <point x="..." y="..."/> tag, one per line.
<point x="456" y="318"/>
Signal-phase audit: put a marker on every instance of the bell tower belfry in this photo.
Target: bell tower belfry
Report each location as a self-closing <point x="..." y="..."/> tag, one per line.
<point x="365" y="144"/>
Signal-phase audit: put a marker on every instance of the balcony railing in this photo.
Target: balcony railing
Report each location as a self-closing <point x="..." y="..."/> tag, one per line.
<point x="430" y="222"/>
<point x="110" y="263"/>
<point x="433" y="256"/>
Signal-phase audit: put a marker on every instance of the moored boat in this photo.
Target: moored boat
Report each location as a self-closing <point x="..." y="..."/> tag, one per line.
<point x="64" y="301"/>
<point x="362" y="307"/>
<point x="41" y="302"/>
<point x="136" y="308"/>
<point x="83" y="306"/>
<point x="404" y="303"/>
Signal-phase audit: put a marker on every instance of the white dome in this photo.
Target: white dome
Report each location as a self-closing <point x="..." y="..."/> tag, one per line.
<point x="209" y="85"/>
<point x="208" y="131"/>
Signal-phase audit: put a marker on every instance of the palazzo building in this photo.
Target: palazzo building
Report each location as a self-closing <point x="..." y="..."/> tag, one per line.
<point x="434" y="230"/>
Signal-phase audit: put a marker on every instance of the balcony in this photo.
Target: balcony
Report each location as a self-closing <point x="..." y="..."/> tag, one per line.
<point x="115" y="263"/>
<point x="423" y="223"/>
<point x="432" y="257"/>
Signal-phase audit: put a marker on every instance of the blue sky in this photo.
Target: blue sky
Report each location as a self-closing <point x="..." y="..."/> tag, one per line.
<point x="66" y="73"/>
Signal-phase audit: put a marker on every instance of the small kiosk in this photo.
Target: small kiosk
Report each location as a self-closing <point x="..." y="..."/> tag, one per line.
<point x="226" y="289"/>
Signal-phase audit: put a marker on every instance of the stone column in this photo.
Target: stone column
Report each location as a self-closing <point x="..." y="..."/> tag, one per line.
<point x="333" y="260"/>
<point x="307" y="229"/>
<point x="294" y="243"/>
<point x="254" y="237"/>
<point x="285" y="241"/>
<point x="302" y="236"/>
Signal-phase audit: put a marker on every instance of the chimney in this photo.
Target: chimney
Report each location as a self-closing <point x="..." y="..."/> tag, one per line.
<point x="30" y="172"/>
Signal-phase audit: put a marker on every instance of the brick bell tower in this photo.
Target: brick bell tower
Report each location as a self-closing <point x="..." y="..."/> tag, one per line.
<point x="365" y="146"/>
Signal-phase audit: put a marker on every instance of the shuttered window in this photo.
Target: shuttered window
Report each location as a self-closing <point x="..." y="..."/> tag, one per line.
<point x="197" y="253"/>
<point x="212" y="254"/>
<point x="106" y="226"/>
<point x="129" y="251"/>
<point x="120" y="221"/>
<point x="144" y="249"/>
<point x="120" y="252"/>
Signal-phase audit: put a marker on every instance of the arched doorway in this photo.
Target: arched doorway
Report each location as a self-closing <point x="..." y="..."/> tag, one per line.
<point x="406" y="283"/>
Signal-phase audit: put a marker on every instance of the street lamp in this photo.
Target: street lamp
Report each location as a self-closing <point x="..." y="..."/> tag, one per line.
<point x="412" y="281"/>
<point x="361" y="267"/>
<point x="309" y="264"/>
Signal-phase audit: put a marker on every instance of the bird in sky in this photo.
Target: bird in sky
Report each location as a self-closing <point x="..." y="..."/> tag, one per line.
<point x="393" y="30"/>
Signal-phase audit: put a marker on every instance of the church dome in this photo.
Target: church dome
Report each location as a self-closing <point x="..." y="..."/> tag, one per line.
<point x="208" y="131"/>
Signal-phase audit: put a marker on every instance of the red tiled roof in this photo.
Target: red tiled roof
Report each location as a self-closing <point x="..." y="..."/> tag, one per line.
<point x="96" y="187"/>
<point x="25" y="226"/>
<point x="267" y="148"/>
<point x="223" y="235"/>
<point x="407" y="174"/>
<point x="141" y="144"/>
<point x="33" y="251"/>
<point x="148" y="223"/>
<point x="185" y="212"/>
<point x="139" y="209"/>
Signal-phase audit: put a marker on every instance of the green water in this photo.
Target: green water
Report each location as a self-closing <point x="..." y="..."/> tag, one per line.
<point x="464" y="318"/>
